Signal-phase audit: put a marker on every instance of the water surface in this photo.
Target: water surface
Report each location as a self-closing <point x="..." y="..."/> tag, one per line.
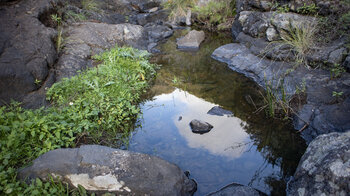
<point x="245" y="148"/>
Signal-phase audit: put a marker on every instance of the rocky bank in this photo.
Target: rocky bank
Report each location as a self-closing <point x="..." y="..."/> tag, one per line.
<point x="258" y="54"/>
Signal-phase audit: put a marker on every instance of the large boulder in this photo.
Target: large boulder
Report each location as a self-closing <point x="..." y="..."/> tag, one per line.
<point x="27" y="52"/>
<point x="324" y="169"/>
<point x="83" y="40"/>
<point x="191" y="41"/>
<point x="102" y="169"/>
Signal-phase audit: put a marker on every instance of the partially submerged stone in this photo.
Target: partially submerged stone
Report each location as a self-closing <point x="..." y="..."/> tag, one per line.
<point x="219" y="111"/>
<point x="103" y="169"/>
<point x="191" y="41"/>
<point x="201" y="127"/>
<point x="324" y="169"/>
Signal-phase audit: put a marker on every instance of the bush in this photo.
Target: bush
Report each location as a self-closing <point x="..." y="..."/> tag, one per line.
<point x="98" y="102"/>
<point x="215" y="12"/>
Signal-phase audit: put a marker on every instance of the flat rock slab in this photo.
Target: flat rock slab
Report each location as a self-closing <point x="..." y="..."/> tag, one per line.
<point x="191" y="41"/>
<point x="201" y="127"/>
<point x="102" y="169"/>
<point x="324" y="169"/>
<point x="323" y="112"/>
<point x="236" y="189"/>
<point x="87" y="39"/>
<point x="219" y="111"/>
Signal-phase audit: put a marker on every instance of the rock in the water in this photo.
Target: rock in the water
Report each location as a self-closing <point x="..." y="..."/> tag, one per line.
<point x="219" y="111"/>
<point x="236" y="190"/>
<point x="324" y="169"/>
<point x="200" y="127"/>
<point x="191" y="41"/>
<point x="103" y="169"/>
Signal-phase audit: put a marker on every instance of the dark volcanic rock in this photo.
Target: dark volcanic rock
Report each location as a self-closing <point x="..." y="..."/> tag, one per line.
<point x="103" y="169"/>
<point x="324" y="169"/>
<point x="219" y="111"/>
<point x="237" y="190"/>
<point x="27" y="51"/>
<point x="200" y="127"/>
<point x="87" y="39"/>
<point x="323" y="112"/>
<point x="191" y="41"/>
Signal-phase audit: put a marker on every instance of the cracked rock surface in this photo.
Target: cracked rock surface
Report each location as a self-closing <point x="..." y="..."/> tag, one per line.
<point x="102" y="169"/>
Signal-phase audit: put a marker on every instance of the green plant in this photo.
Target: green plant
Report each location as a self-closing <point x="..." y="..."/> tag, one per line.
<point x="99" y="106"/>
<point x="76" y="17"/>
<point x="336" y="70"/>
<point x="57" y="19"/>
<point x="215" y="12"/>
<point x="91" y="5"/>
<point x="37" y="81"/>
<point x="282" y="8"/>
<point x="301" y="39"/>
<point x="310" y="9"/>
<point x="337" y="94"/>
<point x="276" y="100"/>
<point x="178" y="8"/>
<point x="59" y="39"/>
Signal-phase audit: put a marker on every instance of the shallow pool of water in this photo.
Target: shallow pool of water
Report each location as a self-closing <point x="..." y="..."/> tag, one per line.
<point x="245" y="148"/>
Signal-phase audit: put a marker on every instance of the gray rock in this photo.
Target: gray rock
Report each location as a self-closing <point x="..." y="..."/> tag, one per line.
<point x="191" y="41"/>
<point x="201" y="127"/>
<point x="236" y="190"/>
<point x="188" y="17"/>
<point x="346" y="63"/>
<point x="333" y="115"/>
<point x="288" y="21"/>
<point x="337" y="56"/>
<point x="324" y="169"/>
<point x="254" y="24"/>
<point x="272" y="34"/>
<point x="86" y="39"/>
<point x="219" y="111"/>
<point x="236" y="29"/>
<point x="157" y="33"/>
<point x="102" y="169"/>
<point x="27" y="52"/>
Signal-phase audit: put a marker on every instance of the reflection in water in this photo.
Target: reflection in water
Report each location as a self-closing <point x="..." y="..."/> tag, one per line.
<point x="227" y="131"/>
<point x="245" y="148"/>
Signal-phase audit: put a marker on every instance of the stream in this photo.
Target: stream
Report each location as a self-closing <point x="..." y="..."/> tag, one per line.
<point x="246" y="148"/>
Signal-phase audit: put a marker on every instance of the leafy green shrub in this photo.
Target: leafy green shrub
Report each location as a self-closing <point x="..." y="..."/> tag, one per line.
<point x="310" y="9"/>
<point x="98" y="102"/>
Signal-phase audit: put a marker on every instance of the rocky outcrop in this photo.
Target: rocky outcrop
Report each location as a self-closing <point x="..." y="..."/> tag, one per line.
<point x="191" y="41"/>
<point x="201" y="127"/>
<point x="27" y="52"/>
<point x="237" y="189"/>
<point x="102" y="169"/>
<point x="29" y="60"/>
<point x="87" y="39"/>
<point x="323" y="113"/>
<point x="324" y="169"/>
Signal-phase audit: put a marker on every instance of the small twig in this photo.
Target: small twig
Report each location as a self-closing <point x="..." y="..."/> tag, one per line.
<point x="303" y="128"/>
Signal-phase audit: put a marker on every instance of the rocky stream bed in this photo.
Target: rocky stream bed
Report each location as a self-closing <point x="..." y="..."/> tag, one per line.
<point x="30" y="63"/>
